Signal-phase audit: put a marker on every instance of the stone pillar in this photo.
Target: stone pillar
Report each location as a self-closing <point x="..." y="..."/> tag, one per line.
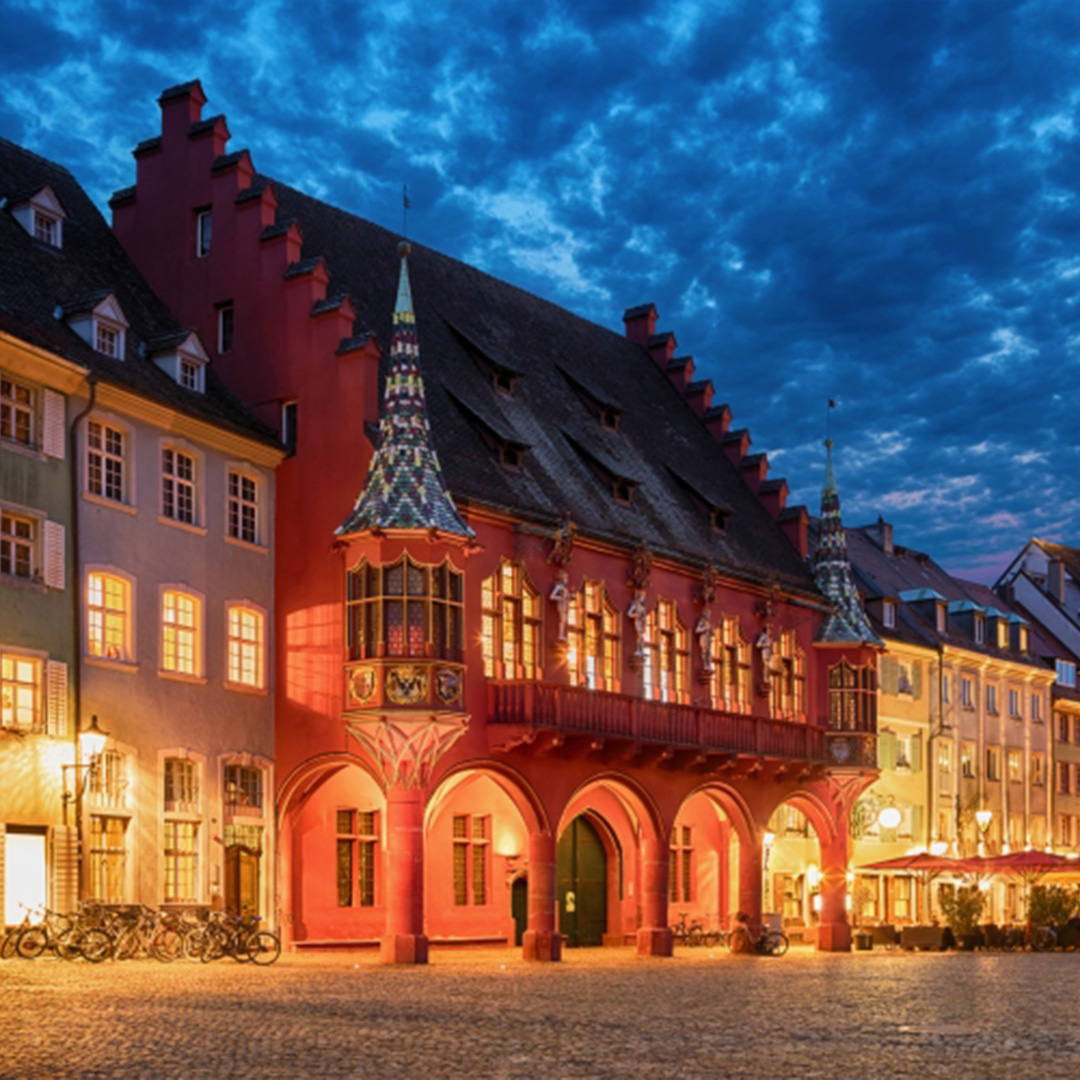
<point x="404" y="941"/>
<point x="750" y="880"/>
<point x="654" y="937"/>
<point x="834" y="931"/>
<point x="541" y="940"/>
<point x="285" y="926"/>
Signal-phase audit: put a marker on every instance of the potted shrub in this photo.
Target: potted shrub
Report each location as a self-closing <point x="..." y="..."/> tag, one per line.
<point x="962" y="909"/>
<point x="1055" y="906"/>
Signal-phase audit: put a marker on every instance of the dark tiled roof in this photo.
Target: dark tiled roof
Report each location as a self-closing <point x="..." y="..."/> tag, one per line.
<point x="1070" y="556"/>
<point x="36" y="279"/>
<point x="456" y="305"/>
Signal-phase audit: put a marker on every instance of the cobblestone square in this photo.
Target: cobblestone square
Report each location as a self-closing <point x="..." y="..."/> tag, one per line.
<point x="601" y="1013"/>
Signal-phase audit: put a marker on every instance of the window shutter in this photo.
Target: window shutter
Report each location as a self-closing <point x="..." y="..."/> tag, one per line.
<point x="916" y="753"/>
<point x="886" y="750"/>
<point x="54" y="426"/>
<point x="65" y="867"/>
<point x="54" y="555"/>
<point x="916" y="679"/>
<point x="56" y="692"/>
<point x="890" y="675"/>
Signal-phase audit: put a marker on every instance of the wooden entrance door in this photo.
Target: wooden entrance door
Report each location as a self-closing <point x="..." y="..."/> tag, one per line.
<point x="242" y="880"/>
<point x="581" y="865"/>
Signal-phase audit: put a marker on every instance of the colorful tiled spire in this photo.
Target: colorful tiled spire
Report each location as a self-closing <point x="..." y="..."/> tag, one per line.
<point x="847" y="622"/>
<point x="405" y="488"/>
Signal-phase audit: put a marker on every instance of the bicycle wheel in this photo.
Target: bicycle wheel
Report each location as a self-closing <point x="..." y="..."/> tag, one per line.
<point x="213" y="945"/>
<point x="69" y="945"/>
<point x="1043" y="939"/>
<point x="265" y="947"/>
<point x="694" y="937"/>
<point x="711" y="938"/>
<point x="11" y="944"/>
<point x="777" y="943"/>
<point x="96" y="946"/>
<point x="166" y="946"/>
<point x="33" y="941"/>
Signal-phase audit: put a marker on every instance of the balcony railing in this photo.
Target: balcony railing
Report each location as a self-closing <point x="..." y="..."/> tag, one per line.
<point x="576" y="710"/>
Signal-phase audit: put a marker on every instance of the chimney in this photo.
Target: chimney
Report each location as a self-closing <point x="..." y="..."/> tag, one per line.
<point x="881" y="533"/>
<point x="1055" y="580"/>
<point x="640" y="323"/>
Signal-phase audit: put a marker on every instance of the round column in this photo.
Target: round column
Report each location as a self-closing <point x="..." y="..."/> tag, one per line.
<point x="834" y="931"/>
<point x="541" y="940"/>
<point x="404" y="941"/>
<point x="654" y="937"/>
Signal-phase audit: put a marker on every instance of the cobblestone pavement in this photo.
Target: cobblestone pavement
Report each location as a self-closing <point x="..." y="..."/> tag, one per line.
<point x="601" y="1013"/>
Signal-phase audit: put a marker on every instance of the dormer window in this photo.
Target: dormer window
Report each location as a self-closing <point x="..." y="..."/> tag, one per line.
<point x="107" y="339"/>
<point x="181" y="356"/>
<point x="940" y="610"/>
<point x="980" y="630"/>
<point x="189" y="375"/>
<point x="888" y="614"/>
<point x="717" y="519"/>
<point x="511" y="454"/>
<point x="46" y="228"/>
<point x="99" y="320"/>
<point x="609" y="418"/>
<point x="42" y="216"/>
<point x="503" y="382"/>
<point x="623" y="491"/>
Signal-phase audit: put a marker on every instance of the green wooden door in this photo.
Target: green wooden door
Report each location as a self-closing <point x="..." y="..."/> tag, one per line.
<point x="581" y="865"/>
<point x="519" y="907"/>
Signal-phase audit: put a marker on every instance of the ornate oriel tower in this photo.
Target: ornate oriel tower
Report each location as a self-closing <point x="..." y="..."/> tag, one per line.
<point x="404" y="688"/>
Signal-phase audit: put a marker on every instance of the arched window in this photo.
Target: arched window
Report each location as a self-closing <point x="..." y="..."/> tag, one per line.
<point x="667" y="655"/>
<point x="592" y="634"/>
<point x="404" y="609"/>
<point x="511" y="624"/>
<point x="787" y="689"/>
<point x="730" y="687"/>
<point x="852" y="698"/>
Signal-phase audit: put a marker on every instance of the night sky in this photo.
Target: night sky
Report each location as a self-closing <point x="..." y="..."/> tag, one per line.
<point x="868" y="201"/>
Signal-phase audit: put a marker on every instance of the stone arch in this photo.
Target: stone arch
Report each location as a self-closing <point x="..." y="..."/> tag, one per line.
<point x="517" y="787"/>
<point x="309" y="774"/>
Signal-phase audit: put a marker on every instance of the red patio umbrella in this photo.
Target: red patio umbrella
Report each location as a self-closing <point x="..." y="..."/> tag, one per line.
<point x="924" y="866"/>
<point x="1029" y="867"/>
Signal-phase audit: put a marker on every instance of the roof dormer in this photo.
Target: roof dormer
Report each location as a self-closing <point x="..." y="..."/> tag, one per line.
<point x="99" y="320"/>
<point x="928" y="604"/>
<point x="41" y="215"/>
<point x="181" y="356"/>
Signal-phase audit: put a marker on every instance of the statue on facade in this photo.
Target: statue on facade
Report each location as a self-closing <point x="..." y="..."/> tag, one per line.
<point x="638" y="613"/>
<point x="705" y="632"/>
<point x="560" y="596"/>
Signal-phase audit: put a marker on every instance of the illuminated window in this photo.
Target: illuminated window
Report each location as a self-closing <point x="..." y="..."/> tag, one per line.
<point x="108" y="617"/>
<point x="852" y="697"/>
<point x="1015" y="763"/>
<point x="471" y="833"/>
<point x="243" y="507"/>
<point x="787" y="680"/>
<point x="107" y="783"/>
<point x="107" y="871"/>
<point x="404" y="609"/>
<point x="18" y="540"/>
<point x="967" y="759"/>
<point x="1064" y="830"/>
<point x="357" y="840"/>
<point x="181" y="785"/>
<point x="510" y="624"/>
<point x="16" y="412"/>
<point x="592" y="635"/>
<point x="20" y="693"/>
<point x="680" y="870"/>
<point x="245" y="646"/>
<point x="730" y="687"/>
<point x="105" y="461"/>
<point x="178" y="486"/>
<point x="181" y="633"/>
<point x="664" y="676"/>
<point x="243" y="787"/>
<point x="181" y="862"/>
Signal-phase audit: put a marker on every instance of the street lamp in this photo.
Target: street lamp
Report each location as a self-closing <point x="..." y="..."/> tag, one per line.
<point x="889" y="817"/>
<point x="91" y="746"/>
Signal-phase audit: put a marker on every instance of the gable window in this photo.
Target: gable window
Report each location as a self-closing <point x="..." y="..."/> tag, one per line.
<point x="178" y="486"/>
<point x="243" y="507"/>
<point x="980" y="630"/>
<point x="108" y="617"/>
<point x="510" y="624"/>
<point x="940" y="618"/>
<point x="203" y="227"/>
<point x="592" y="634"/>
<point x="20" y="692"/>
<point x="730" y="684"/>
<point x="181" y="633"/>
<point x="225" y="328"/>
<point x="18" y="539"/>
<point x="105" y="461"/>
<point x="357" y="840"/>
<point x="16" y="412"/>
<point x="404" y="609"/>
<point x="245" y="648"/>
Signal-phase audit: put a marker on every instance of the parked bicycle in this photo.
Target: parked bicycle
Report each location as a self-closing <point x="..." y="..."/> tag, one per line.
<point x="693" y="933"/>
<point x="767" y="942"/>
<point x="238" y="936"/>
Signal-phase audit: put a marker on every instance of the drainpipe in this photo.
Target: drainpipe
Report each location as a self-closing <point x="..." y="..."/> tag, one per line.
<point x="76" y="606"/>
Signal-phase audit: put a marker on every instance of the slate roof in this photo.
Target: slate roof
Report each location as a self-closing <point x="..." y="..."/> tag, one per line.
<point x="880" y="574"/>
<point x="36" y="279"/>
<point x="472" y="325"/>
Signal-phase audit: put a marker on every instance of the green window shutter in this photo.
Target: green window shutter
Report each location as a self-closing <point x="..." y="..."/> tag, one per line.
<point x="916" y="753"/>
<point x="916" y="679"/>
<point x="886" y="750"/>
<point x="890" y="675"/>
<point x="916" y="822"/>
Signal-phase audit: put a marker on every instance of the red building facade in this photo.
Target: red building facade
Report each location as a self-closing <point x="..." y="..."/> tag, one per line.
<point x="554" y="690"/>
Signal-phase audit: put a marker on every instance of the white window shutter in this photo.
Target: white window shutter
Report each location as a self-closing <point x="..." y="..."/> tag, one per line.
<point x="55" y="426"/>
<point x="54" y="555"/>
<point x="56" y="691"/>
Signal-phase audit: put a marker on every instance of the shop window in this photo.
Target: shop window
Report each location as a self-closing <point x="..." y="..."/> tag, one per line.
<point x="404" y="609"/>
<point x="471" y="834"/>
<point x="357" y="840"/>
<point x="510" y="624"/>
<point x="592" y="634"/>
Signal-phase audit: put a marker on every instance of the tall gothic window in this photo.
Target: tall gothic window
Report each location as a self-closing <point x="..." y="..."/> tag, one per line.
<point x="592" y="634"/>
<point x="730" y="688"/>
<point x="667" y="655"/>
<point x="852" y="697"/>
<point x="404" y="609"/>
<point x="788" y="679"/>
<point x="511" y="624"/>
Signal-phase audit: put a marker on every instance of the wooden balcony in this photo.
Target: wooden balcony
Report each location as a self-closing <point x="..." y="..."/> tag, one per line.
<point x="565" y="713"/>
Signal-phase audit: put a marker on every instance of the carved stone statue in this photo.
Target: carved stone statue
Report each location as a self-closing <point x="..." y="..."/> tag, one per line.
<point x="560" y="596"/>
<point x="764" y="646"/>
<point x="639" y="614"/>
<point x="705" y="632"/>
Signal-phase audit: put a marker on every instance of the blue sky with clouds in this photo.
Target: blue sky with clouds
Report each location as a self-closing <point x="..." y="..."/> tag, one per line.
<point x="871" y="201"/>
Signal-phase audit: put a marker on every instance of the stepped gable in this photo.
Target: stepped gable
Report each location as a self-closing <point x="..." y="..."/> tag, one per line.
<point x="476" y="327"/>
<point x="847" y="622"/>
<point x="405" y="487"/>
<point x="37" y="279"/>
